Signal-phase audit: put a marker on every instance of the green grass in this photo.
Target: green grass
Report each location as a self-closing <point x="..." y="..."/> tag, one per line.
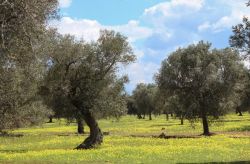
<point x="54" y="143"/>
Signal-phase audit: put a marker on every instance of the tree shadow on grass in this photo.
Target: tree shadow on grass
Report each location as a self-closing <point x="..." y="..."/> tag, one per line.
<point x="232" y="162"/>
<point x="156" y="125"/>
<point x="241" y="129"/>
<point x="13" y="151"/>
<point x="6" y="134"/>
<point x="164" y="136"/>
<point x="238" y="120"/>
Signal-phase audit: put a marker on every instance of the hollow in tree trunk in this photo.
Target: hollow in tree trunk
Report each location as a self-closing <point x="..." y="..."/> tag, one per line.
<point x="205" y="125"/>
<point x="80" y="127"/>
<point x="96" y="137"/>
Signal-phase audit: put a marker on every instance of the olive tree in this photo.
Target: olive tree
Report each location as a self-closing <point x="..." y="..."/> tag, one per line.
<point x="82" y="76"/>
<point x="241" y="36"/>
<point x="22" y="22"/>
<point x="131" y="107"/>
<point x="240" y="40"/>
<point x="242" y="97"/>
<point x="203" y="79"/>
<point x="144" y="96"/>
<point x="174" y="104"/>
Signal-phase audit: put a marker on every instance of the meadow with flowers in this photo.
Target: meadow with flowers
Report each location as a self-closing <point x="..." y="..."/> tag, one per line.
<point x="130" y="140"/>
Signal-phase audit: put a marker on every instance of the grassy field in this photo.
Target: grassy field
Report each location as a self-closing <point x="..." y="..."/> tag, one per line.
<point x="131" y="141"/>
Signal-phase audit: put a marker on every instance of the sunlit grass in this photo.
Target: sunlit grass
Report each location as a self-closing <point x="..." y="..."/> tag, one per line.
<point x="54" y="143"/>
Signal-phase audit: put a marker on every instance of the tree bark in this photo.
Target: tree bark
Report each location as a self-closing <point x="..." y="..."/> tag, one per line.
<point x="50" y="119"/>
<point x="80" y="127"/>
<point x="96" y="137"/>
<point x="182" y="119"/>
<point x="238" y="110"/>
<point x="205" y="125"/>
<point x="139" y="116"/>
<point x="167" y="118"/>
<point x="240" y="113"/>
<point x="150" y="116"/>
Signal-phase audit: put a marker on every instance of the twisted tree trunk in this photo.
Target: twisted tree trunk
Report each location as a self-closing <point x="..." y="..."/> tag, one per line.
<point x="96" y="137"/>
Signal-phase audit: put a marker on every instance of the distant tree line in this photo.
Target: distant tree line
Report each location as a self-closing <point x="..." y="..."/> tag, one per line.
<point x="195" y="83"/>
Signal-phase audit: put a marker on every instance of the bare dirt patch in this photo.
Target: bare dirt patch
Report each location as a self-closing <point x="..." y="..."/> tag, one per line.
<point x="164" y="136"/>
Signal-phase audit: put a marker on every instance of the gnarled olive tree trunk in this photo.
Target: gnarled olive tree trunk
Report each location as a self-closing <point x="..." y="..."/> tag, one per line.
<point x="96" y="137"/>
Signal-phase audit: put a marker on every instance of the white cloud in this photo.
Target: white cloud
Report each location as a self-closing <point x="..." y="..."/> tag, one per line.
<point x="89" y="29"/>
<point x="204" y="26"/>
<point x="169" y="8"/>
<point x="238" y="10"/>
<point x="82" y="28"/>
<point x="176" y="11"/>
<point x="223" y="23"/>
<point x="194" y="4"/>
<point x="173" y="23"/>
<point x="140" y="72"/>
<point x="138" y="53"/>
<point x="172" y="16"/>
<point x="132" y="30"/>
<point x="64" y="3"/>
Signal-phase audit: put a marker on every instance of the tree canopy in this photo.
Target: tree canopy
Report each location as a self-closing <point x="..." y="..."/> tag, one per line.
<point x="202" y="79"/>
<point x="82" y="76"/>
<point x="241" y="37"/>
<point x="144" y="99"/>
<point x="22" y="22"/>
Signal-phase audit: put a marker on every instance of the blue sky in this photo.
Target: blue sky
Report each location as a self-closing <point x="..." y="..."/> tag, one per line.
<point x="154" y="28"/>
<point x="109" y="12"/>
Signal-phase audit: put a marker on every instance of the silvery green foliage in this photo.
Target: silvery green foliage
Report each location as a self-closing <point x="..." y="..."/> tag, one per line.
<point x="22" y="23"/>
<point x="82" y="76"/>
<point x="144" y="97"/>
<point x="240" y="38"/>
<point x="201" y="80"/>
